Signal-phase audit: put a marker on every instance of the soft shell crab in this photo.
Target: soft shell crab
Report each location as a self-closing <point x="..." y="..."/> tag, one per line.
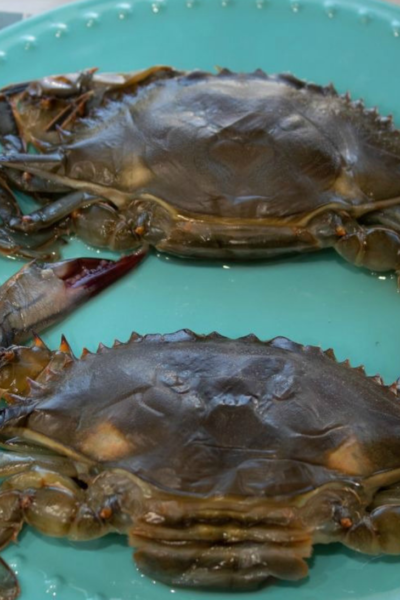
<point x="227" y="165"/>
<point x="223" y="460"/>
<point x="332" y="174"/>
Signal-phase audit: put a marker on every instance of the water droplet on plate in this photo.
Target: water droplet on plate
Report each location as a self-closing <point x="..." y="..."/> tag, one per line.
<point x="365" y="17"/>
<point x="396" y="29"/>
<point x="91" y="19"/>
<point x="295" y="6"/>
<point x="156" y="7"/>
<point x="330" y="9"/>
<point x="192" y="3"/>
<point x="261" y="4"/>
<point x="54" y="585"/>
<point x="124" y="10"/>
<point x="14" y="566"/>
<point x="29" y="42"/>
<point x="61" y="29"/>
<point x="226" y="3"/>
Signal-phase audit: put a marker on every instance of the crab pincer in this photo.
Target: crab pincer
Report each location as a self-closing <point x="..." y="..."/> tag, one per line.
<point x="41" y="294"/>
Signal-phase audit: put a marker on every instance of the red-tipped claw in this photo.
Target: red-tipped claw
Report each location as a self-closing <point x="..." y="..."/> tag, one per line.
<point x="91" y="275"/>
<point x="41" y="294"/>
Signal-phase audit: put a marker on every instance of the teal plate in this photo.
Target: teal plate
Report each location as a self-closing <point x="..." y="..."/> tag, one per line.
<point x="315" y="299"/>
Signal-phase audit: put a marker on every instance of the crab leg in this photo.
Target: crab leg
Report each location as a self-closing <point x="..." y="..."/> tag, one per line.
<point x="374" y="247"/>
<point x="8" y="203"/>
<point x="12" y="463"/>
<point x="376" y="529"/>
<point x="57" y="506"/>
<point x="9" y="587"/>
<point x="377" y="532"/>
<point x="11" y="141"/>
<point x="42" y="294"/>
<point x="54" y="169"/>
<point x="19" y="244"/>
<point x="37" y="246"/>
<point x="51" y="503"/>
<point x="53" y="212"/>
<point x="9" y="134"/>
<point x="59" y="102"/>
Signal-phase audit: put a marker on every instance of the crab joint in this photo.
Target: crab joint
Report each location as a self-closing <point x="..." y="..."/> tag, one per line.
<point x="26" y="501"/>
<point x="106" y="513"/>
<point x="340" y="231"/>
<point x="346" y="523"/>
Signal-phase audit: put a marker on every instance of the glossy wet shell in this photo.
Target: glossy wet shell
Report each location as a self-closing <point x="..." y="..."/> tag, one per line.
<point x="227" y="145"/>
<point x="210" y="416"/>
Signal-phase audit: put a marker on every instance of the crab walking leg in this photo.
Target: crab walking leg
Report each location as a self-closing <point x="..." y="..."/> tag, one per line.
<point x="17" y="243"/>
<point x="12" y="463"/>
<point x="103" y="226"/>
<point x="9" y="587"/>
<point x="8" y="203"/>
<point x="56" y="169"/>
<point x="60" y="101"/>
<point x="42" y="294"/>
<point x="41" y="245"/>
<point x="375" y="247"/>
<point x="57" y="506"/>
<point x="21" y="366"/>
<point x="10" y="138"/>
<point x="378" y="531"/>
<point x="52" y="212"/>
<point x="11" y="141"/>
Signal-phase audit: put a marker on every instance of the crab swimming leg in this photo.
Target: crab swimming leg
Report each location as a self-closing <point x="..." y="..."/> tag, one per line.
<point x="42" y="294"/>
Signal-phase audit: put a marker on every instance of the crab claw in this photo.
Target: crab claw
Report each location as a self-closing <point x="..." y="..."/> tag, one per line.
<point x="41" y="294"/>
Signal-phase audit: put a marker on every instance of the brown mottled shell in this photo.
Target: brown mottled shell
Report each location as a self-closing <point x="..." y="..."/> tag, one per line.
<point x="238" y="145"/>
<point x="207" y="415"/>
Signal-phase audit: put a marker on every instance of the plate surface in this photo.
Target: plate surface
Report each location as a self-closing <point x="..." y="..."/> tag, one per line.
<point x="315" y="299"/>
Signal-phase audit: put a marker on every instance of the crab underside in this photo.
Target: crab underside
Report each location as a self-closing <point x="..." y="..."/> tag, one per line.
<point x="222" y="460"/>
